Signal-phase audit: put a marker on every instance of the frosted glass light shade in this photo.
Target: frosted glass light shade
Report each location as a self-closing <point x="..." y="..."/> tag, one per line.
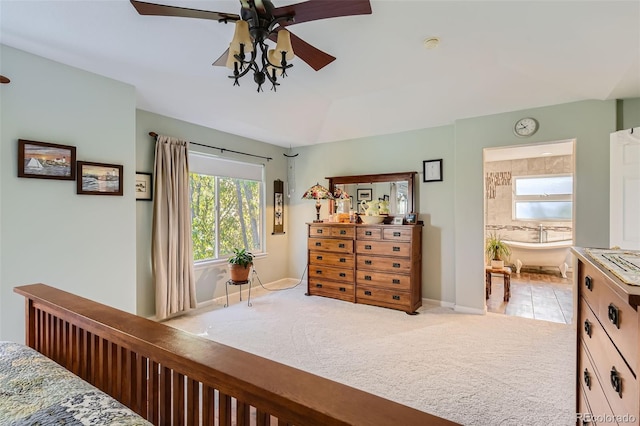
<point x="242" y="36"/>
<point x="284" y="45"/>
<point x="231" y="57"/>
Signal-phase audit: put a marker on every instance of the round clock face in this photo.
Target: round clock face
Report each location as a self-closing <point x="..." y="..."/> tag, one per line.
<point x="525" y="127"/>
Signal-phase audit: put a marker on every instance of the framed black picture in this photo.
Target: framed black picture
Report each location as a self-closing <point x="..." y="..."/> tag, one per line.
<point x="144" y="186"/>
<point x="278" y="207"/>
<point x="43" y="160"/>
<point x="432" y="170"/>
<point x="364" y="194"/>
<point x="99" y="178"/>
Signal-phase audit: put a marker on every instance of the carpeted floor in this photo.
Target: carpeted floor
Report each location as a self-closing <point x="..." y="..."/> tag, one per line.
<point x="473" y="369"/>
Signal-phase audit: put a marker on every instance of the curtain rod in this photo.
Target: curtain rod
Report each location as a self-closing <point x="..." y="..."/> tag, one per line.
<point x="222" y="150"/>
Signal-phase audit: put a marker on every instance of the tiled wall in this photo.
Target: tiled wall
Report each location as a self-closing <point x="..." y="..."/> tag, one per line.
<point x="498" y="197"/>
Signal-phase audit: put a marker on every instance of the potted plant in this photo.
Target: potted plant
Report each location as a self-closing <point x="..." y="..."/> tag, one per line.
<point x="497" y="251"/>
<point x="240" y="264"/>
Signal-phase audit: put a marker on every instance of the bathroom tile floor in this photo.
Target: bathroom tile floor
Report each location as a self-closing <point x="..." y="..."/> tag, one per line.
<point x="537" y="294"/>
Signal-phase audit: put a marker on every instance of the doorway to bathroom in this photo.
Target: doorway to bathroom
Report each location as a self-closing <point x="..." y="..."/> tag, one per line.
<point x="528" y="205"/>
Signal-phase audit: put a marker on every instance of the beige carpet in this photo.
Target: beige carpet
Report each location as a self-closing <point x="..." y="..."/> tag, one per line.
<point x="472" y="369"/>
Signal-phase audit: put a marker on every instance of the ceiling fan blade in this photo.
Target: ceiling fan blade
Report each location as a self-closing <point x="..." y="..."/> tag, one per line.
<point x="144" y="8"/>
<point x="222" y="60"/>
<point x="313" y="10"/>
<point x="314" y="57"/>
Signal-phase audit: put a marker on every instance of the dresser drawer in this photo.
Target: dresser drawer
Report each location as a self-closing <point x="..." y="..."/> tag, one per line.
<point x="388" y="298"/>
<point x="366" y="233"/>
<point x="397" y="234"/>
<point x="590" y="387"/>
<point x="331" y="259"/>
<point x="328" y="273"/>
<point x="618" y="318"/>
<point x="343" y="231"/>
<point x="386" y="264"/>
<point x="381" y="279"/>
<point x="330" y="244"/>
<point x="342" y="291"/>
<point x="319" y="231"/>
<point x="386" y="248"/>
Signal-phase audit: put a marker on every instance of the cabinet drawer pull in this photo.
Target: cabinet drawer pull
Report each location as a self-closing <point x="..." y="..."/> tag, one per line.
<point x="318" y="231"/>
<point x="396" y="281"/>
<point x="318" y="244"/>
<point x="343" y="289"/>
<point x="587" y="378"/>
<point x="341" y="245"/>
<point x="319" y="285"/>
<point x="342" y="274"/>
<point x="343" y="232"/>
<point x="396" y="249"/>
<point x="368" y="262"/>
<point x="367" y="293"/>
<point x="614" y="315"/>
<point x="588" y="282"/>
<point x="367" y="233"/>
<point x="318" y="257"/>
<point x="396" y="234"/>
<point x="396" y="265"/>
<point x="587" y="327"/>
<point x="396" y="297"/>
<point x="367" y="247"/>
<point x="367" y="277"/>
<point x="318" y="271"/>
<point x="343" y="260"/>
<point x="616" y="382"/>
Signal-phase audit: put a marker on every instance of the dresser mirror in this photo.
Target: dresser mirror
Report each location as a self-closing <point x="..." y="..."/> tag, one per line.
<point x="397" y="188"/>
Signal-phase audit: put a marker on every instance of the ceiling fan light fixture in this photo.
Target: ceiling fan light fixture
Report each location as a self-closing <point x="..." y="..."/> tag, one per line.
<point x="241" y="36"/>
<point x="431" y="42"/>
<point x="284" y="44"/>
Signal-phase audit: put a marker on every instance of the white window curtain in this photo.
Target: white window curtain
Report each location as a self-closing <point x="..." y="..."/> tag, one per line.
<point x="172" y="251"/>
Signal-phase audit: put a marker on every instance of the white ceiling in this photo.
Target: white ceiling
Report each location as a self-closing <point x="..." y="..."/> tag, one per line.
<point x="494" y="57"/>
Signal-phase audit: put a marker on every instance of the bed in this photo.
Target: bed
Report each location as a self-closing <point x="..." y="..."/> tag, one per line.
<point x="169" y="377"/>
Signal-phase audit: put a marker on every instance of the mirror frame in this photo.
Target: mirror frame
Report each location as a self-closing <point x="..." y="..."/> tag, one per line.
<point x="378" y="178"/>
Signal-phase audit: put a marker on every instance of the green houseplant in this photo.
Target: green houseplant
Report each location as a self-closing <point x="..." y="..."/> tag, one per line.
<point x="240" y="264"/>
<point x="497" y="251"/>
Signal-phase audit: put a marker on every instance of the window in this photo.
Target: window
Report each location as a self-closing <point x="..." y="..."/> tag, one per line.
<point x="227" y="207"/>
<point x="543" y="198"/>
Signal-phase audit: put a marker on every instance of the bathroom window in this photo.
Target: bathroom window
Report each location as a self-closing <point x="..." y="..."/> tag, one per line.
<point x="548" y="197"/>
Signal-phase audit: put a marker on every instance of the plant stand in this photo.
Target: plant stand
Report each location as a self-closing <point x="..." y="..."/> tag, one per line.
<point x="240" y="283"/>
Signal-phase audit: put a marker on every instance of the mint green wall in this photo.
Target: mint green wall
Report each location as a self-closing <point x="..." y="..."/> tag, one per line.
<point x="79" y="243"/>
<point x="630" y="113"/>
<point x="210" y="278"/>
<point x="401" y="152"/>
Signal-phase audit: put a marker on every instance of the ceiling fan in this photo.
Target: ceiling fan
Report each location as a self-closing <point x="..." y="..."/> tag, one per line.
<point x="265" y="21"/>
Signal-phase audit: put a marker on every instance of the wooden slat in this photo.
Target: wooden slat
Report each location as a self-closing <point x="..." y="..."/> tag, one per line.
<point x="127" y="376"/>
<point x="262" y="418"/>
<point x="177" y="398"/>
<point x="224" y="409"/>
<point x="193" y="399"/>
<point x="243" y="416"/>
<point x="165" y="395"/>
<point x="208" y="406"/>
<point x="154" y="393"/>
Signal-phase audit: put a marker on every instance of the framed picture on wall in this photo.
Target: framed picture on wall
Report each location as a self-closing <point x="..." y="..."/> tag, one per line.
<point x="432" y="170"/>
<point x="43" y="160"/>
<point x="364" y="194"/>
<point x="99" y="178"/>
<point x="144" y="186"/>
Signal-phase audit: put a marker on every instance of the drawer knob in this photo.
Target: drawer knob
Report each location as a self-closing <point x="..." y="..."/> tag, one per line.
<point x="343" y="232"/>
<point x="587" y="378"/>
<point x="318" y="271"/>
<point x="341" y="245"/>
<point x="614" y="315"/>
<point x="367" y="233"/>
<point x="319" y="231"/>
<point x="396" y="234"/>
<point x="396" y="281"/>
<point x="396" y="265"/>
<point x="343" y="260"/>
<point x="319" y="257"/>
<point x="587" y="327"/>
<point x="616" y="381"/>
<point x="396" y="297"/>
<point x="319" y="285"/>
<point x="367" y="293"/>
<point x="396" y="249"/>
<point x="342" y="274"/>
<point x="368" y="262"/>
<point x="367" y="247"/>
<point x="367" y="277"/>
<point x="343" y="289"/>
<point x="318" y="244"/>
<point x="588" y="283"/>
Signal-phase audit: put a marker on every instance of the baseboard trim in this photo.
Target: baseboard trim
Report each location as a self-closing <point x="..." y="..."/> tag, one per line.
<point x="468" y="310"/>
<point x="434" y="302"/>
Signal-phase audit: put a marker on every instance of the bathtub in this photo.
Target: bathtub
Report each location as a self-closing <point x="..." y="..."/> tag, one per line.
<point x="540" y="254"/>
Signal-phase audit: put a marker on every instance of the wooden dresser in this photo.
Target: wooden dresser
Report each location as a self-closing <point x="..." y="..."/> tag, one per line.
<point x="378" y="265"/>
<point x="608" y="346"/>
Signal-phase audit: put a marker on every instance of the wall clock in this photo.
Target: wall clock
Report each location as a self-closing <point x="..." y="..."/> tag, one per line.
<point x="525" y="126"/>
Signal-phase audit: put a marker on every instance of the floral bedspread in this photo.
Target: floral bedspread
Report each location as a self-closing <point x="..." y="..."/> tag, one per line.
<point x="34" y="390"/>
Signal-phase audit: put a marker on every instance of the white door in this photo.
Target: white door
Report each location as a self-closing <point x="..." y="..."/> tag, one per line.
<point x="624" y="181"/>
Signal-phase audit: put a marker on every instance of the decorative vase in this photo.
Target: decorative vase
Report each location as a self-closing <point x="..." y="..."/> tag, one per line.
<point x="239" y="273"/>
<point x="497" y="264"/>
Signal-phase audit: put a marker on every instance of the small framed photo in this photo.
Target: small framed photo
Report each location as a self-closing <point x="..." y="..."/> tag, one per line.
<point x="432" y="170"/>
<point x="144" y="186"/>
<point x="44" y="160"/>
<point x="99" y="178"/>
<point x="364" y="194"/>
<point x="398" y="220"/>
<point x="411" y="218"/>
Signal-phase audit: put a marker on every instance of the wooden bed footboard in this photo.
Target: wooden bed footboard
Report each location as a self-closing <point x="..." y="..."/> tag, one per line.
<point x="171" y="377"/>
